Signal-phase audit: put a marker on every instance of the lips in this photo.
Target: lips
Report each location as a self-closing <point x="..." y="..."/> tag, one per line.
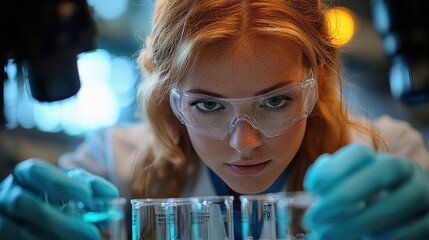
<point x="248" y="168"/>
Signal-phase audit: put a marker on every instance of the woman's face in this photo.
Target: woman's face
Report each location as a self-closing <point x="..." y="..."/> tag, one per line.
<point x="247" y="160"/>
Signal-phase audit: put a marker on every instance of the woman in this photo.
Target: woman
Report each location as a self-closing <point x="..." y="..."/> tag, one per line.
<point x="242" y="97"/>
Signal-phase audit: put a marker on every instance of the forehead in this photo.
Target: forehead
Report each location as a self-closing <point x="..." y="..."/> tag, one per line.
<point x="244" y="66"/>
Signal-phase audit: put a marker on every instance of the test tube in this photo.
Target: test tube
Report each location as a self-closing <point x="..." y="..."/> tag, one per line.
<point x="149" y="219"/>
<point x="213" y="218"/>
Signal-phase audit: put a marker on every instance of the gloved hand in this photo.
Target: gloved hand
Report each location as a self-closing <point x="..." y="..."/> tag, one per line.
<point x="367" y="195"/>
<point x="32" y="195"/>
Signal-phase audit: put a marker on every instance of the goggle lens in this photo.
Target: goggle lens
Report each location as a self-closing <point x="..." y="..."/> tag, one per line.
<point x="272" y="114"/>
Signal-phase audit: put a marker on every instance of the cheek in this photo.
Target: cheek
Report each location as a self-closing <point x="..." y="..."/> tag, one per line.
<point x="287" y="145"/>
<point x="208" y="149"/>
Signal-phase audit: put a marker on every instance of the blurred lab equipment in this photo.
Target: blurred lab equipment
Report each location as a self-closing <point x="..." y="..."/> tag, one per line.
<point x="44" y="39"/>
<point x="275" y="215"/>
<point x="405" y="34"/>
<point x="107" y="214"/>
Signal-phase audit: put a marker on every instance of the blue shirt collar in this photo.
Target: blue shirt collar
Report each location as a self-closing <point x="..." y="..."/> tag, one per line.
<point x="222" y="189"/>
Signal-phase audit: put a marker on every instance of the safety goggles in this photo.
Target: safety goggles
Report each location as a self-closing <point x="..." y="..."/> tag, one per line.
<point x="273" y="113"/>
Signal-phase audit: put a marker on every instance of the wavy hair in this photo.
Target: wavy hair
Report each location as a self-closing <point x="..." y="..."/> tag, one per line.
<point x="181" y="29"/>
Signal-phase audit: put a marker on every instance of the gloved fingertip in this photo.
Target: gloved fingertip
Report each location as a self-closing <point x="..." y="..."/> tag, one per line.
<point x="94" y="233"/>
<point x="308" y="219"/>
<point x="87" y="231"/>
<point x="311" y="236"/>
<point x="100" y="187"/>
<point x="27" y="168"/>
<point x="320" y="212"/>
<point x="312" y="179"/>
<point x="329" y="170"/>
<point x="32" y="172"/>
<point x="78" y="229"/>
<point x="319" y="232"/>
<point x="357" y="152"/>
<point x="323" y="159"/>
<point x="104" y="189"/>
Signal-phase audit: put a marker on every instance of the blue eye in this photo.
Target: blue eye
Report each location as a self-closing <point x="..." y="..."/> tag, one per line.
<point x="276" y="102"/>
<point x="208" y="105"/>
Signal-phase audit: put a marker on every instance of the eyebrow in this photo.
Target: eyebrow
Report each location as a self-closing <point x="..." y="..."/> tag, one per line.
<point x="261" y="92"/>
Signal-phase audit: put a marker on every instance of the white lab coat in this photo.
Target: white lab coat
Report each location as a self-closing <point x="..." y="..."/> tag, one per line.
<point x="111" y="153"/>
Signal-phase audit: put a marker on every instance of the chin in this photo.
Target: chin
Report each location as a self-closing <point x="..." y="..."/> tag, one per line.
<point x="246" y="186"/>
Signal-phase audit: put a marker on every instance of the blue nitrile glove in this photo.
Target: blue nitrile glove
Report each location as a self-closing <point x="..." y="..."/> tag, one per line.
<point x="367" y="195"/>
<point x="32" y="195"/>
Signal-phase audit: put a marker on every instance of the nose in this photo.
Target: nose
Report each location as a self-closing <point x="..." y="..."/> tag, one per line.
<point x="244" y="138"/>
